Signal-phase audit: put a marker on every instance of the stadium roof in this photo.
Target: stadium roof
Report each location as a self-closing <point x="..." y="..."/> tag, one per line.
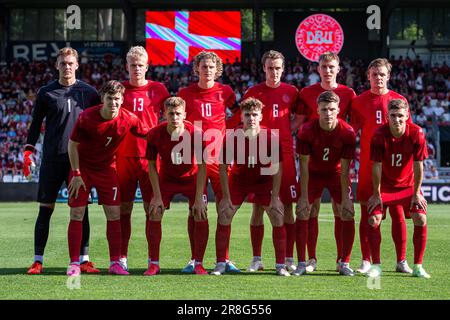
<point x="211" y="4"/>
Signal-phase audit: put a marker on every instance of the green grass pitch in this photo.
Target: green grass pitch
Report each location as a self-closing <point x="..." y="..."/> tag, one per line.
<point x="16" y="253"/>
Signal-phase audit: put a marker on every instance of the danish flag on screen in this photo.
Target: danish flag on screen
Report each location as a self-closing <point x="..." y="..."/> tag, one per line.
<point x="181" y="35"/>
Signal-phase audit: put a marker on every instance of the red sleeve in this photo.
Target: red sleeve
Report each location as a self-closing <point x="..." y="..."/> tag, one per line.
<point x="230" y="99"/>
<point x="299" y="105"/>
<point x="152" y="151"/>
<point x="138" y="127"/>
<point x="234" y="120"/>
<point x="355" y="117"/>
<point x="348" y="149"/>
<point x="163" y="95"/>
<point x="420" y="151"/>
<point x="303" y="143"/>
<point x="76" y="134"/>
<point x="294" y="106"/>
<point x="377" y="147"/>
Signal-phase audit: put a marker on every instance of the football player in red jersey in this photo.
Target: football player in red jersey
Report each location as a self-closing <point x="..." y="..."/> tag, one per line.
<point x="182" y="172"/>
<point x="307" y="108"/>
<point x="206" y="105"/>
<point x="255" y="154"/>
<point x="145" y="98"/>
<point x="280" y="103"/>
<point x="326" y="146"/>
<point x="397" y="150"/>
<point x="368" y="112"/>
<point x="95" y="139"/>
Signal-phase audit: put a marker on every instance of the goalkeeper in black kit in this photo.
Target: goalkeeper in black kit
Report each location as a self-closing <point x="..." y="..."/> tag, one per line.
<point x="60" y="102"/>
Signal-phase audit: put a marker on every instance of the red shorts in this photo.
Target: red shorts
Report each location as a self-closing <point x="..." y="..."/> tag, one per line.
<point x="290" y="188"/>
<point x="170" y="188"/>
<point x="398" y="197"/>
<point x="130" y="171"/>
<point x="105" y="182"/>
<point x="259" y="194"/>
<point x="212" y="172"/>
<point x="317" y="183"/>
<point x="365" y="187"/>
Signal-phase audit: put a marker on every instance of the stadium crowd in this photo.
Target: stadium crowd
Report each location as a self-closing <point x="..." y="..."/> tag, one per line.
<point x="427" y="90"/>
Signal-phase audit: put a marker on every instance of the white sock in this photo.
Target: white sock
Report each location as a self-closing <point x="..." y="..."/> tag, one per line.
<point x="198" y="262"/>
<point x="84" y="258"/>
<point x="279" y="265"/>
<point x="154" y="262"/>
<point x="39" y="258"/>
<point x="256" y="258"/>
<point x="75" y="262"/>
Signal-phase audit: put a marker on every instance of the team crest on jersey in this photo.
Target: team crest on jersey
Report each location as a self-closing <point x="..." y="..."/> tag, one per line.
<point x="286" y="98"/>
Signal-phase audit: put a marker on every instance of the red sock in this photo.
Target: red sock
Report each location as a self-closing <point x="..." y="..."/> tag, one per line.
<point x="290" y="239"/>
<point x="279" y="243"/>
<point x="375" y="243"/>
<point x="313" y="233"/>
<point x="154" y="235"/>
<point x="257" y="236"/>
<point x="364" y="233"/>
<point x="113" y="234"/>
<point x="420" y="242"/>
<point x="222" y="241"/>
<point x="74" y="235"/>
<point x="338" y="236"/>
<point x="348" y="236"/>
<point x="302" y="238"/>
<point x="125" y="226"/>
<point x="398" y="231"/>
<point x="201" y="235"/>
<point x="191" y="230"/>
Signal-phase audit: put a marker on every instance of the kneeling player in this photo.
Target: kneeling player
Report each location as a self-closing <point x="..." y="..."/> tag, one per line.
<point x="398" y="149"/>
<point x="252" y="173"/>
<point x="173" y="141"/>
<point x="93" y="144"/>
<point x="326" y="146"/>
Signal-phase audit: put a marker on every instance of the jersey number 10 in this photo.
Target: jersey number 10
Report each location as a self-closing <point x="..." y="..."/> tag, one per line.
<point x="206" y="110"/>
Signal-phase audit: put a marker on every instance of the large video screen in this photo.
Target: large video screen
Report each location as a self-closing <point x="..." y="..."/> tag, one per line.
<point x="172" y="35"/>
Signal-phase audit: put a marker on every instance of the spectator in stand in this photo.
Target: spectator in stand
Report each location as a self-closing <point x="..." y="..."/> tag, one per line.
<point x="432" y="174"/>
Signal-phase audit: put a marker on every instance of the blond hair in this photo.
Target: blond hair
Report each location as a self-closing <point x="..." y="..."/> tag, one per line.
<point x="67" y="51"/>
<point x="137" y="51"/>
<point x="173" y="102"/>
<point x="204" y="55"/>
<point x="329" y="56"/>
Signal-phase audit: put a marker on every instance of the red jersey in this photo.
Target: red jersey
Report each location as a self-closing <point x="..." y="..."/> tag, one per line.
<point x="368" y="113"/>
<point x="208" y="105"/>
<point x="175" y="165"/>
<point x="307" y="105"/>
<point x="398" y="154"/>
<point x="147" y="103"/>
<point x="249" y="158"/>
<point x="100" y="138"/>
<point x="279" y="103"/>
<point x="326" y="148"/>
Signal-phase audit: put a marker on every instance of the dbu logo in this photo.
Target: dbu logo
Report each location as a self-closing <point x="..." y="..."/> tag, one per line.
<point x="374" y="20"/>
<point x="73" y="17"/>
<point x="319" y="37"/>
<point x="73" y="282"/>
